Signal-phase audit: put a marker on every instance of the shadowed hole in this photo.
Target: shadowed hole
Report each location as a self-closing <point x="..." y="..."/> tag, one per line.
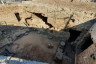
<point x="43" y="18"/>
<point x="73" y="35"/>
<point x="18" y="17"/>
<point x="87" y="43"/>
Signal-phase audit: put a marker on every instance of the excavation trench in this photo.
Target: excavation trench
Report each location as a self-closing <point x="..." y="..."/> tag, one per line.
<point x="36" y="37"/>
<point x="35" y="43"/>
<point x="41" y="44"/>
<point x="32" y="47"/>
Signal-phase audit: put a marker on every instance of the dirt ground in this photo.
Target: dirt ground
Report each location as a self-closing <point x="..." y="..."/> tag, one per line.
<point x="34" y="47"/>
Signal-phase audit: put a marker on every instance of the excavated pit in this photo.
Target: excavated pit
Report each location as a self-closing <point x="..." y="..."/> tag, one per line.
<point x="31" y="46"/>
<point x="34" y="47"/>
<point x="36" y="43"/>
<point x="55" y="34"/>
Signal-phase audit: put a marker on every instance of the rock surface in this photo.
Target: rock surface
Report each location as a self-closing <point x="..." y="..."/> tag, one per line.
<point x="34" y="30"/>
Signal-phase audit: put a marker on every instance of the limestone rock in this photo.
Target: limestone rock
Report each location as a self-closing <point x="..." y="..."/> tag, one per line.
<point x="93" y="33"/>
<point x="87" y="56"/>
<point x="4" y="42"/>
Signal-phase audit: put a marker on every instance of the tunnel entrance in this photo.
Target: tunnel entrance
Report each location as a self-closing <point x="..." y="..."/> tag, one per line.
<point x="87" y="43"/>
<point x="73" y="35"/>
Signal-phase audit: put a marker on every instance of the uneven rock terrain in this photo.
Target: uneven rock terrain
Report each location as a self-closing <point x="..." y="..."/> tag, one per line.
<point x="52" y="31"/>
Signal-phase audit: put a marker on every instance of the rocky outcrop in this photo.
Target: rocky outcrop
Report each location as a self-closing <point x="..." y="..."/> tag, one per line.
<point x="59" y="13"/>
<point x="88" y="56"/>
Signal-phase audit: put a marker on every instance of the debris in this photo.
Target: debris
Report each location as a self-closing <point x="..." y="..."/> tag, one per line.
<point x="59" y="54"/>
<point x="50" y="46"/>
<point x="62" y="43"/>
<point x="66" y="60"/>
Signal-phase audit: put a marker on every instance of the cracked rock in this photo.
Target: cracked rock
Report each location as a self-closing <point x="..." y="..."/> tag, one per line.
<point x="4" y="42"/>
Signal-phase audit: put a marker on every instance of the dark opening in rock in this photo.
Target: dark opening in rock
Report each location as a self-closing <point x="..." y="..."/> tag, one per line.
<point x="87" y="43"/>
<point x="17" y="16"/>
<point x="73" y="35"/>
<point x="43" y="18"/>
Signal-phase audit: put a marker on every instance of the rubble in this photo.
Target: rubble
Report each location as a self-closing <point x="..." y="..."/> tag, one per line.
<point x="66" y="60"/>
